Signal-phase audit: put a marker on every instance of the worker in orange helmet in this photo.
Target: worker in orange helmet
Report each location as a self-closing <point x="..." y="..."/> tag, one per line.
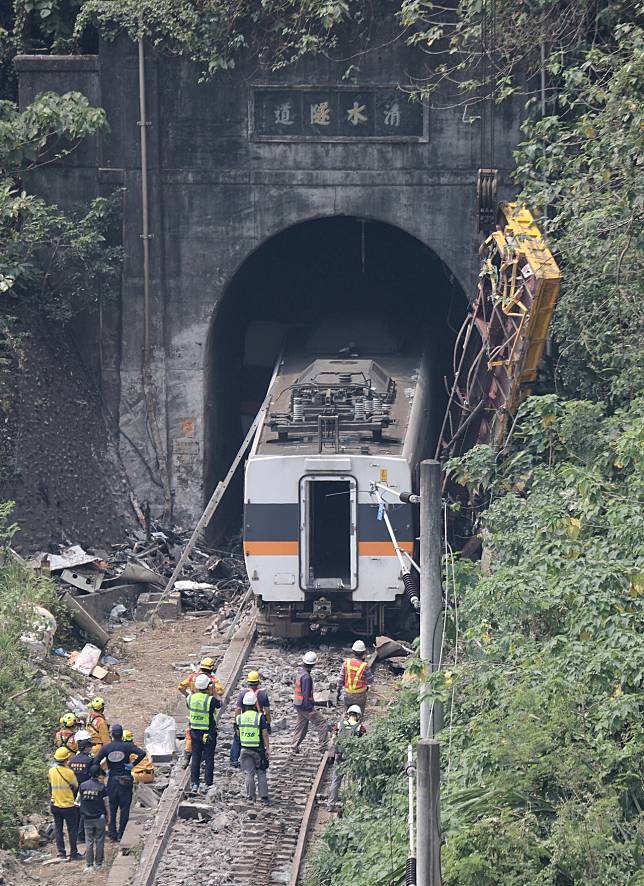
<point x="355" y="677"/>
<point x="187" y="687"/>
<point x="97" y="725"/>
<point x="64" y="737"/>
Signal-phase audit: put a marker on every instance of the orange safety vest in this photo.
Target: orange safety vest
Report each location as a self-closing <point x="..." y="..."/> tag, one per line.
<point x="354" y="678"/>
<point x="65" y="738"/>
<point x="298" y="695"/>
<point x="94" y="726"/>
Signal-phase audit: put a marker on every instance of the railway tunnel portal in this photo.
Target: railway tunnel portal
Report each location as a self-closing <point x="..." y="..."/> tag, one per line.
<point x="356" y="282"/>
<point x="274" y="199"/>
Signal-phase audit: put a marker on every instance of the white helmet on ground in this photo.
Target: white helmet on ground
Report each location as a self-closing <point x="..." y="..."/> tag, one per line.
<point x="249" y="698"/>
<point x="355" y="709"/>
<point x="359" y="646"/>
<point x="309" y="658"/>
<point x="202" y="682"/>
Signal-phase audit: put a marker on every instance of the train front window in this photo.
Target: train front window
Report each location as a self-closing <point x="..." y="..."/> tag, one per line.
<point x="328" y="556"/>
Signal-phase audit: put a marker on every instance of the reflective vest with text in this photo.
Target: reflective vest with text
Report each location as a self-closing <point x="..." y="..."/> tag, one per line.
<point x="249" y="730"/>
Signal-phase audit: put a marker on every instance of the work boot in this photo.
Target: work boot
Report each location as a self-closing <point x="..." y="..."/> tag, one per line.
<point x="266" y="801"/>
<point x="194" y="788"/>
<point x="75" y="856"/>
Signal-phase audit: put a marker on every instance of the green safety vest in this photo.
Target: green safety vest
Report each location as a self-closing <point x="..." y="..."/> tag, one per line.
<point x="199" y="705"/>
<point x="249" y="731"/>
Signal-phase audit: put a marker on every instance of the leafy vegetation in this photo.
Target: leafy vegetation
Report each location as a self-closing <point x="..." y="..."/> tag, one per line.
<point x="543" y="741"/>
<point x="29" y="704"/>
<point x="62" y="261"/>
<point x="583" y="161"/>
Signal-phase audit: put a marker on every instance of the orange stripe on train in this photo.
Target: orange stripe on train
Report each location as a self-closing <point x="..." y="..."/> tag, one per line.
<point x="271" y="548"/>
<point x="292" y="548"/>
<point x="382" y="548"/>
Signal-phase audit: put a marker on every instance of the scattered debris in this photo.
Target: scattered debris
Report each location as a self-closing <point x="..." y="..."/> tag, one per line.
<point x="86" y="660"/>
<point x="105" y="675"/>
<point x="160" y="738"/>
<point x="68" y="558"/>
<point x="40" y="638"/>
<point x="84" y="620"/>
<point x="387" y="648"/>
<point x="196" y="810"/>
<point x="88" y="582"/>
<point x="28" y="837"/>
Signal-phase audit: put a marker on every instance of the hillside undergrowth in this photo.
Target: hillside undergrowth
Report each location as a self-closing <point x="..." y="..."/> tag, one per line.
<point x="30" y="701"/>
<point x="543" y="742"/>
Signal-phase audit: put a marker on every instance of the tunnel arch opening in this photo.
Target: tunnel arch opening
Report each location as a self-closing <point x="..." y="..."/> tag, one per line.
<point x="333" y="269"/>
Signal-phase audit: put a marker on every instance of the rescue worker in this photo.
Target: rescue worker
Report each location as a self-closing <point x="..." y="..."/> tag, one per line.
<point x="355" y="677"/>
<point x="80" y="764"/>
<point x="305" y="708"/>
<point x="206" y="666"/>
<point x="350" y="726"/>
<point x="144" y="771"/>
<point x="92" y="794"/>
<point x="97" y="725"/>
<point x="117" y="754"/>
<point x="251" y="728"/>
<point x="202" y="706"/>
<point x="63" y="788"/>
<point x="64" y="738"/>
<point x="263" y="706"/>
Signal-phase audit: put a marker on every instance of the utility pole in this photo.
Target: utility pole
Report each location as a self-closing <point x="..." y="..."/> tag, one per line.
<point x="431" y="588"/>
<point x="428" y="854"/>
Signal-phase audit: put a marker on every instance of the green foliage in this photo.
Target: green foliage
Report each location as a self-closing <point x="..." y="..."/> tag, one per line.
<point x="543" y="743"/>
<point x="213" y="33"/>
<point x="60" y="261"/>
<point x="27" y="718"/>
<point x="583" y="161"/>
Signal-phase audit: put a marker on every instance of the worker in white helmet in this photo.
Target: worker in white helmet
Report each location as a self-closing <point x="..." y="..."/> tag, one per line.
<point x="355" y="677"/>
<point x="252" y="729"/>
<point x="305" y="706"/>
<point x="350" y="726"/>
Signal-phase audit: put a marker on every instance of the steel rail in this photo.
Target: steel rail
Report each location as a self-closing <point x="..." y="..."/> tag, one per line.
<point x="306" y="821"/>
<point x="229" y="672"/>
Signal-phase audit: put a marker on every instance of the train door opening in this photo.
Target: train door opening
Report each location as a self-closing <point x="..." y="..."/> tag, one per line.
<point x="328" y="555"/>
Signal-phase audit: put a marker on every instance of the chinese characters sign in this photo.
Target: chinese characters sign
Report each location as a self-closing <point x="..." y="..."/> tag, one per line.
<point x="333" y="113"/>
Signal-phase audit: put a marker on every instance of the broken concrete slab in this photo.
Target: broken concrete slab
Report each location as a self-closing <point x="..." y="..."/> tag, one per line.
<point x="151" y="603"/>
<point x="146" y="797"/>
<point x="84" y="620"/>
<point x="195" y="810"/>
<point x="388" y="648"/>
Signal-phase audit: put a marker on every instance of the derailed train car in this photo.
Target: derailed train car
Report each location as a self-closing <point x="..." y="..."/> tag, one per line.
<point x="348" y="408"/>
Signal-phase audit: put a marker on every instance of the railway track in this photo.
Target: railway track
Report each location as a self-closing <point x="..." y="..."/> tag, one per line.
<point x="245" y="843"/>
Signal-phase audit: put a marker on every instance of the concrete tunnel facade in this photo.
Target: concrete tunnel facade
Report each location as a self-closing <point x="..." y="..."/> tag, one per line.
<point x="227" y="192"/>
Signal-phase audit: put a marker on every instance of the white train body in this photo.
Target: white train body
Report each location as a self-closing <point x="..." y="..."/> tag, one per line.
<point x="317" y="551"/>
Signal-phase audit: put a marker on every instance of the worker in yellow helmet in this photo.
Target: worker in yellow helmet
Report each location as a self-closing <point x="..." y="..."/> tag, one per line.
<point x="97" y="725"/>
<point x="142" y="772"/>
<point x="187" y="686"/>
<point x="64" y="737"/>
<point x="263" y="706"/>
<point x="63" y="788"/>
